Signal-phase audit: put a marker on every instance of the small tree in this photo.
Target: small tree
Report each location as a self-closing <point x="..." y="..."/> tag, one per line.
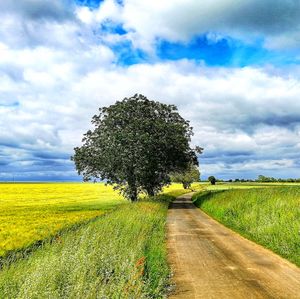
<point x="186" y="178"/>
<point x="212" y="180"/>
<point x="135" y="144"/>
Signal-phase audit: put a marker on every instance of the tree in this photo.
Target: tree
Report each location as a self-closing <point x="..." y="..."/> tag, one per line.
<point x="265" y="179"/>
<point x="186" y="178"/>
<point x="212" y="180"/>
<point x="134" y="146"/>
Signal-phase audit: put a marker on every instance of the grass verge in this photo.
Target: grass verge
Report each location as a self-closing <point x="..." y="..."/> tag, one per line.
<point x="269" y="216"/>
<point x="119" y="255"/>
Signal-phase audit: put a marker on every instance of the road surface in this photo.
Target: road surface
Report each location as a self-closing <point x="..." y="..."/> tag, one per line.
<point x="211" y="261"/>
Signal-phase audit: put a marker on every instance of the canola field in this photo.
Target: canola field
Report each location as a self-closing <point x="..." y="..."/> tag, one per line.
<point x="121" y="255"/>
<point x="34" y="212"/>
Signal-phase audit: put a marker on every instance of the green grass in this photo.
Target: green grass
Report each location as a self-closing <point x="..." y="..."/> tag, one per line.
<point x="245" y="185"/>
<point x="269" y="216"/>
<point x="119" y="255"/>
<point x="30" y="213"/>
<point x="176" y="189"/>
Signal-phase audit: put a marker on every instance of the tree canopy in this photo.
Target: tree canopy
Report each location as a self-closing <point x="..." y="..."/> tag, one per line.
<point x="135" y="144"/>
<point x="187" y="177"/>
<point x="212" y="180"/>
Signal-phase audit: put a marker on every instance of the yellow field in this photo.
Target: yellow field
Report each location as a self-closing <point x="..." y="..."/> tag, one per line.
<point x="32" y="212"/>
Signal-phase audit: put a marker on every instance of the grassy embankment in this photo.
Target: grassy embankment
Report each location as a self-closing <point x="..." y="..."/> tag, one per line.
<point x="119" y="255"/>
<point x="269" y="216"/>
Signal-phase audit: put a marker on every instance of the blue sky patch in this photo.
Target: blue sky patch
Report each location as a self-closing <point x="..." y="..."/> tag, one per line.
<point x="223" y="52"/>
<point x="89" y="3"/>
<point x="128" y="55"/>
<point x="199" y="48"/>
<point x="113" y="28"/>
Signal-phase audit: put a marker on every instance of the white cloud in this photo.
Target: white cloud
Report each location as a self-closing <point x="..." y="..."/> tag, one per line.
<point x="56" y="10"/>
<point x="242" y="112"/>
<point x="108" y="10"/>
<point x="276" y="21"/>
<point x="55" y="74"/>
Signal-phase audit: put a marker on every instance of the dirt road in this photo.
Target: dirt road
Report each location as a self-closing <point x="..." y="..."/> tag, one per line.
<point x="211" y="261"/>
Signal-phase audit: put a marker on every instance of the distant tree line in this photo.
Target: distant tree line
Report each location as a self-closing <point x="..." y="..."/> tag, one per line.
<point x="262" y="179"/>
<point x="265" y="179"/>
<point x="193" y="175"/>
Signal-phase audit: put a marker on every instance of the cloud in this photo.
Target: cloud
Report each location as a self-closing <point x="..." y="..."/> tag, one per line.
<point x="275" y="22"/>
<point x="109" y="10"/>
<point x="31" y="23"/>
<point x="54" y="10"/>
<point x="230" y="109"/>
<point x="57" y="67"/>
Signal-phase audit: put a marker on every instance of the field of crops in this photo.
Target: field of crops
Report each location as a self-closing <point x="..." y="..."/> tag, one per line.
<point x="269" y="216"/>
<point x="121" y="255"/>
<point x="32" y="212"/>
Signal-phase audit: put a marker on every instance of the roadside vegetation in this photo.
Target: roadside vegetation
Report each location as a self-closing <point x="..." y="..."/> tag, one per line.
<point x="269" y="216"/>
<point x="30" y="213"/>
<point x="121" y="254"/>
<point x="176" y="189"/>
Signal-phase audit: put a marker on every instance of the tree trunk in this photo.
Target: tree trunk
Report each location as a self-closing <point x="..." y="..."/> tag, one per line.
<point x="150" y="192"/>
<point x="133" y="194"/>
<point x="132" y="188"/>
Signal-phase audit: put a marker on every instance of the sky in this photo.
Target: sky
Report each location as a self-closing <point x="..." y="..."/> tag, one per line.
<point x="232" y="67"/>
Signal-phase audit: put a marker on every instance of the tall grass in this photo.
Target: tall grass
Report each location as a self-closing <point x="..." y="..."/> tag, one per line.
<point x="269" y="216"/>
<point x="119" y="255"/>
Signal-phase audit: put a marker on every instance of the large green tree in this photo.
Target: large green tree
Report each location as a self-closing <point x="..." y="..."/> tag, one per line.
<point x="134" y="145"/>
